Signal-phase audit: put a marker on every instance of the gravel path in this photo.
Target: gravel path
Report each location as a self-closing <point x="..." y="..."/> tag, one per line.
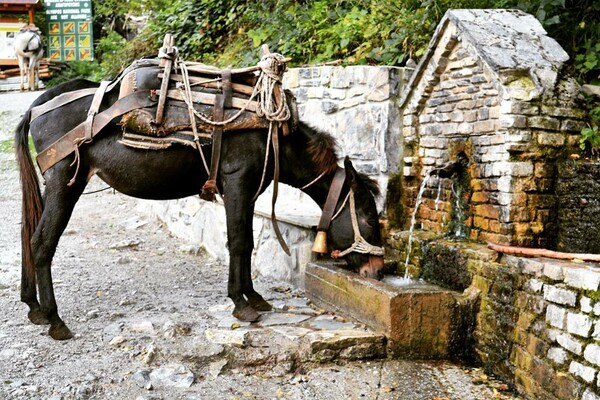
<point x="145" y="313"/>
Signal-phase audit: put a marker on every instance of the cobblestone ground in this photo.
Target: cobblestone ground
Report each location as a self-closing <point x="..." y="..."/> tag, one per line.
<point x="152" y="320"/>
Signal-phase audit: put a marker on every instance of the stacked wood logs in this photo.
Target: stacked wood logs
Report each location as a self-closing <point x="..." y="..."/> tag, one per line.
<point x="46" y="70"/>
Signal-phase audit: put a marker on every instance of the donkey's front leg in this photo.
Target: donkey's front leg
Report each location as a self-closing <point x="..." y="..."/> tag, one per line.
<point x="239" y="217"/>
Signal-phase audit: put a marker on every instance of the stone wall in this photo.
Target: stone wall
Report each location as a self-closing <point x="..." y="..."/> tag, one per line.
<point x="358" y="106"/>
<point x="537" y="325"/>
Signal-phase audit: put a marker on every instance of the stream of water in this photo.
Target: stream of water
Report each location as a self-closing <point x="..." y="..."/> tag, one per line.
<point x="407" y="279"/>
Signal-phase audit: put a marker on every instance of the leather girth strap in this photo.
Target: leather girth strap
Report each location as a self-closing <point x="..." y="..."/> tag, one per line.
<point x="65" y="145"/>
<point x="222" y="101"/>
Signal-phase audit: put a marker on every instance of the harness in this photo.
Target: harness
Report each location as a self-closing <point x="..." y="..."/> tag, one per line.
<point x="360" y="245"/>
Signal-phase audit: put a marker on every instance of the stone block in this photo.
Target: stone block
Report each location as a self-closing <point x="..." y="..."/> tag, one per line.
<point x="589" y="395"/>
<point x="551" y="139"/>
<point x="584" y="372"/>
<point x="546" y="123"/>
<point x="553" y="270"/>
<point x="579" y="324"/>
<point x="571" y="344"/>
<point x="532" y="266"/>
<point x="585" y="304"/>
<point x="592" y="354"/>
<point x="534" y="285"/>
<point x="555" y="316"/>
<point x="416" y="319"/>
<point x="582" y="278"/>
<point x="485" y="126"/>
<point x="559" y="295"/>
<point x="557" y="354"/>
<point x="348" y="344"/>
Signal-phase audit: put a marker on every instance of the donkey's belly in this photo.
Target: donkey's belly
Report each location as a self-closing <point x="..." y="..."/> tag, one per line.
<point x="153" y="174"/>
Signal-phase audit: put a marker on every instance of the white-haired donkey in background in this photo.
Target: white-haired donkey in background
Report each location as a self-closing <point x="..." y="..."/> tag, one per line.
<point x="29" y="50"/>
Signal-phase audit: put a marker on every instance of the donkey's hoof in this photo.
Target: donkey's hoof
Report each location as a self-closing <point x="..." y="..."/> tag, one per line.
<point x="60" y="332"/>
<point x="259" y="304"/>
<point x="38" y="317"/>
<point x="246" y="314"/>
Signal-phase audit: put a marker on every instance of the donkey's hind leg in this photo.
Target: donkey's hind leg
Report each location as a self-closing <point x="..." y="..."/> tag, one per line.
<point x="22" y="71"/>
<point x="59" y="203"/>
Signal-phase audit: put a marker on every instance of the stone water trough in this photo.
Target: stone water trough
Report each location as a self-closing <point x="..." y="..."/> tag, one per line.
<point x="419" y="320"/>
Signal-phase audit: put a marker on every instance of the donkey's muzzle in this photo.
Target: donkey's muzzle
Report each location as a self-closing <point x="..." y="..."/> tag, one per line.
<point x="373" y="268"/>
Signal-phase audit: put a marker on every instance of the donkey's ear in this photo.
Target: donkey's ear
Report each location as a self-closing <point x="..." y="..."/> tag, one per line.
<point x="351" y="174"/>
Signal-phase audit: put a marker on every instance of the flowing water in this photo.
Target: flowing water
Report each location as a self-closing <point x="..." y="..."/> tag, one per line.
<point x="407" y="278"/>
<point x="438" y="200"/>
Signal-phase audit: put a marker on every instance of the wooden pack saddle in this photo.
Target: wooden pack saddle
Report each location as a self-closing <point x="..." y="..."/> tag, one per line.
<point x="190" y="103"/>
<point x="197" y="103"/>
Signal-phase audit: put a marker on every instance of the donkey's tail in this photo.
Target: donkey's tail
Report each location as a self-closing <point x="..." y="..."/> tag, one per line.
<point x="32" y="203"/>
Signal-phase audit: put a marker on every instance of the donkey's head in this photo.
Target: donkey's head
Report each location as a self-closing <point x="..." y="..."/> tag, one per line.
<point x="355" y="234"/>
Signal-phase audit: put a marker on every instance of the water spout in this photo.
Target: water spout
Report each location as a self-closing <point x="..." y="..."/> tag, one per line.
<point x="452" y="167"/>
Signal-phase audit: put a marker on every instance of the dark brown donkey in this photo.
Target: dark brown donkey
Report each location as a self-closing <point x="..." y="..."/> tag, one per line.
<point x="176" y="172"/>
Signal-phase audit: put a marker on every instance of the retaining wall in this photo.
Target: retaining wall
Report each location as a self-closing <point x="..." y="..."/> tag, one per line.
<point x="537" y="325"/>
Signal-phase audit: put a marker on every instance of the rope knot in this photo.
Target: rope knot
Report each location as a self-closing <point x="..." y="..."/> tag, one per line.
<point x="272" y="65"/>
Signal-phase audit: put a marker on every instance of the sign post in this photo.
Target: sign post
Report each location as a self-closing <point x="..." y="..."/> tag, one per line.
<point x="70" y="35"/>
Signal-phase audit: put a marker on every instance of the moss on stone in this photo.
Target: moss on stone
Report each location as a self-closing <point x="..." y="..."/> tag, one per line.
<point x="445" y="266"/>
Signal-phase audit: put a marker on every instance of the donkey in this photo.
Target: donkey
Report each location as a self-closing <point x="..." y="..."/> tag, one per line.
<point x="29" y="50"/>
<point x="308" y="161"/>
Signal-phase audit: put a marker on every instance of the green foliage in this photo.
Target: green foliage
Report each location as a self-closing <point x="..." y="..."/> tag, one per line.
<point x="590" y="136"/>
<point x="76" y="69"/>
<point x="389" y="32"/>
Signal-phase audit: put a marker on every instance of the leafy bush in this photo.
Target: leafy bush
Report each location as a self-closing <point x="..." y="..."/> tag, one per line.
<point x="590" y="136"/>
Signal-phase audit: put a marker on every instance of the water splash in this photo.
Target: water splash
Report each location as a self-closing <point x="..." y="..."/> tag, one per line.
<point x="399" y="281"/>
<point x="412" y="226"/>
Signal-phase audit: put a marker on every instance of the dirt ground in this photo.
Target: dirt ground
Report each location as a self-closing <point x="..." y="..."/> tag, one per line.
<point x="141" y="306"/>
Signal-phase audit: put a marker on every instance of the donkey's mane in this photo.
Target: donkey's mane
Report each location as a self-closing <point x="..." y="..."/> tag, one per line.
<point x="322" y="149"/>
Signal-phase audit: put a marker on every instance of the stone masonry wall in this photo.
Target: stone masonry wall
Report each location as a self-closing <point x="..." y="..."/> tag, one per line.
<point x="358" y="106"/>
<point x="538" y="324"/>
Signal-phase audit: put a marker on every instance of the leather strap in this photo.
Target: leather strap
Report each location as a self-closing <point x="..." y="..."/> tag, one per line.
<point x="275" y="139"/>
<point x="221" y="102"/>
<point x="332" y="199"/>
<point x="60" y="101"/>
<point x="93" y="110"/>
<point x="65" y="145"/>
